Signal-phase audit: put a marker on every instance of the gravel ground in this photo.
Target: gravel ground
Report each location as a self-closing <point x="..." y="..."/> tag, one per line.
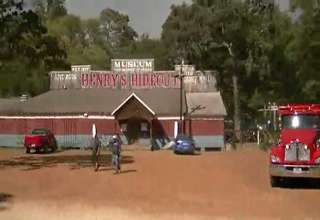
<point x="152" y="185"/>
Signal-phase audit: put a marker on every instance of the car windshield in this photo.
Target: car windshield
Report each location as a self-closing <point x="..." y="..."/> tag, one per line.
<point x="38" y="131"/>
<point x="301" y="121"/>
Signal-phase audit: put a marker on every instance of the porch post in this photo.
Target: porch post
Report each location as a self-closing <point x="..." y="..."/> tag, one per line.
<point x="151" y="134"/>
<point x="115" y="126"/>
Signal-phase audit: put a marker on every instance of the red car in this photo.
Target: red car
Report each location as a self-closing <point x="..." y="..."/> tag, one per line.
<point x="40" y="139"/>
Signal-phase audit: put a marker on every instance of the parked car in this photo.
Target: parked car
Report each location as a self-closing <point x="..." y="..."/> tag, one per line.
<point x="40" y="139"/>
<point x="184" y="145"/>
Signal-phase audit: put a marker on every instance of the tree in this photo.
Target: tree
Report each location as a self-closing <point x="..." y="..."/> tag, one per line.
<point x="92" y="30"/>
<point x="49" y="9"/>
<point x="68" y="29"/>
<point x="147" y="48"/>
<point x="116" y="29"/>
<point x="210" y="33"/>
<point x="245" y="41"/>
<point x="26" y="51"/>
<point x="304" y="49"/>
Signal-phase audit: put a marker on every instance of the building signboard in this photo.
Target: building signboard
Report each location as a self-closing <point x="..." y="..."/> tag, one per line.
<point x="132" y="74"/>
<point x="105" y="79"/>
<point x="187" y="70"/>
<point x="63" y="76"/>
<point x="64" y="79"/>
<point x="81" y="68"/>
<point x="132" y="65"/>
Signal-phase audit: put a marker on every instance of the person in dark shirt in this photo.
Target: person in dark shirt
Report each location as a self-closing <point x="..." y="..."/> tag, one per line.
<point x="115" y="147"/>
<point x="96" y="147"/>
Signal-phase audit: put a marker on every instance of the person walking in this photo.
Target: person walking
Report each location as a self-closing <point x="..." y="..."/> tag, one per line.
<point x="96" y="147"/>
<point x="115" y="147"/>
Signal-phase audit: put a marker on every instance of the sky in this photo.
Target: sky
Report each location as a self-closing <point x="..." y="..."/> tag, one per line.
<point x="146" y="16"/>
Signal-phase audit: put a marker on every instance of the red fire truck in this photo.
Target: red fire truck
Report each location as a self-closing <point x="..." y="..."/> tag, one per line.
<point x="298" y="152"/>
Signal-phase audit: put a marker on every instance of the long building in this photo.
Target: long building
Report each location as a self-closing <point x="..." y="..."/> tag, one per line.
<point x="144" y="106"/>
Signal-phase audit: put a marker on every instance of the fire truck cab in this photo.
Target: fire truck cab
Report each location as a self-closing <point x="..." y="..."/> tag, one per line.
<point x="298" y="152"/>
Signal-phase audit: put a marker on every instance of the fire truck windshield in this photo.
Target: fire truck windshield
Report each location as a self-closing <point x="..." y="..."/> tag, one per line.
<point x="301" y="121"/>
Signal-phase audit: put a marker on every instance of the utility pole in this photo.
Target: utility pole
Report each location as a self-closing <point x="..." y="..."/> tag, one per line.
<point x="181" y="88"/>
<point x="271" y="108"/>
<point x="181" y="75"/>
<point x="183" y="71"/>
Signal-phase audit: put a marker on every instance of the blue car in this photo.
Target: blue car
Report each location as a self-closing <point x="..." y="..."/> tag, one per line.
<point x="184" y="145"/>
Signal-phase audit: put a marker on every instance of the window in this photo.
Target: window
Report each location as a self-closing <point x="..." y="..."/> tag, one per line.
<point x="144" y="126"/>
<point x="38" y="132"/>
<point x="301" y="121"/>
<point x="123" y="127"/>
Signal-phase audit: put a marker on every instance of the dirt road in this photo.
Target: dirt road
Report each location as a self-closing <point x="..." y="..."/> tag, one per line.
<point x="153" y="185"/>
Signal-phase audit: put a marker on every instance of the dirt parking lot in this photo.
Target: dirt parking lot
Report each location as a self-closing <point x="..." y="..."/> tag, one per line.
<point x="153" y="185"/>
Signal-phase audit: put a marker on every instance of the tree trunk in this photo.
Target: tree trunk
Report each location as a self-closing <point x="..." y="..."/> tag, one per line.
<point x="236" y="116"/>
<point x="236" y="102"/>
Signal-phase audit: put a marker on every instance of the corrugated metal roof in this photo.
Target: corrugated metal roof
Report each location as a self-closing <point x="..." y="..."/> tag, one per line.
<point x="164" y="102"/>
<point x="7" y="105"/>
<point x="205" y="104"/>
<point x="95" y="101"/>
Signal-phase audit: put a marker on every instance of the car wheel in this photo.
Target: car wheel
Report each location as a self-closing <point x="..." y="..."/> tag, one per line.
<point x="274" y="181"/>
<point x="45" y="149"/>
<point x="27" y="150"/>
<point x="54" y="146"/>
<point x="53" y="149"/>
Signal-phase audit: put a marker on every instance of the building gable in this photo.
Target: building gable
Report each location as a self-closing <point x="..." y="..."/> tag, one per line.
<point x="133" y="107"/>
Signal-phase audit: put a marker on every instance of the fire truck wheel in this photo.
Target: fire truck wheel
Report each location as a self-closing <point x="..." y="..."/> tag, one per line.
<point x="274" y="181"/>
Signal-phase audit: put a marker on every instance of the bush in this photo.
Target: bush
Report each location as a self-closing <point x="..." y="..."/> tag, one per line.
<point x="268" y="138"/>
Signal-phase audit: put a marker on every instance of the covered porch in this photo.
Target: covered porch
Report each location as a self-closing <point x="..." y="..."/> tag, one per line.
<point x="135" y="119"/>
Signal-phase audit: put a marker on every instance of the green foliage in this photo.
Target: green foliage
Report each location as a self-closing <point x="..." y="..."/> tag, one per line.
<point x="274" y="59"/>
<point x="68" y="29"/>
<point x="27" y="52"/>
<point x="307" y="55"/>
<point x="147" y="48"/>
<point x="94" y="41"/>
<point x="268" y="138"/>
<point x="116" y="29"/>
<point x="32" y="44"/>
<point x="50" y="9"/>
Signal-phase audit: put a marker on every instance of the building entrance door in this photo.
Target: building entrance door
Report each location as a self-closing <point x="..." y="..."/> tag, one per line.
<point x="133" y="130"/>
<point x="136" y="129"/>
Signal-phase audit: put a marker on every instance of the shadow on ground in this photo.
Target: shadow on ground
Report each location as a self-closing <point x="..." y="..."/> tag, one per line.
<point x="33" y="162"/>
<point x="5" y="199"/>
<point x="300" y="183"/>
